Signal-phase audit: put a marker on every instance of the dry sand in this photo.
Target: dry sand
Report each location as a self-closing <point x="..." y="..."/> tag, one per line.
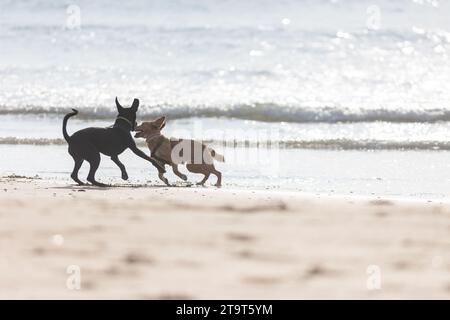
<point x="159" y="243"/>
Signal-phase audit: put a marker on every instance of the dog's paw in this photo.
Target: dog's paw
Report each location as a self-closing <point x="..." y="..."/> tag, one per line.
<point x="183" y="177"/>
<point x="163" y="179"/>
<point x="124" y="176"/>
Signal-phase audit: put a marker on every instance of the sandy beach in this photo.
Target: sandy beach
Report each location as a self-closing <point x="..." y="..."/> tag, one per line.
<point x="155" y="242"/>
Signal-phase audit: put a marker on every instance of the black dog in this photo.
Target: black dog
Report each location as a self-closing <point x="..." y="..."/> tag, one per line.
<point x="87" y="144"/>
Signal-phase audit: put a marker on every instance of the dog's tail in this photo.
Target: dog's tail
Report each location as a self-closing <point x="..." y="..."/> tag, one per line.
<point x="216" y="156"/>
<point x="66" y="118"/>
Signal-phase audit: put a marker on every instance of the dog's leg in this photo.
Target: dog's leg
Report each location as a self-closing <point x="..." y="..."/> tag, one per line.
<point x="94" y="162"/>
<point x="164" y="179"/>
<point x="141" y="154"/>
<point x="199" y="168"/>
<point x="76" y="168"/>
<point x="116" y="160"/>
<point x="201" y="183"/>
<point x="178" y="173"/>
<point x="218" y="175"/>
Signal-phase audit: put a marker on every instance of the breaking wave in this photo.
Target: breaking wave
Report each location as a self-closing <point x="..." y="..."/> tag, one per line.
<point x="268" y="112"/>
<point x="330" y="144"/>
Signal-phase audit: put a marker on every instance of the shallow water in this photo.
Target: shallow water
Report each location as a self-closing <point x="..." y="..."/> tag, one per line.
<point x="413" y="174"/>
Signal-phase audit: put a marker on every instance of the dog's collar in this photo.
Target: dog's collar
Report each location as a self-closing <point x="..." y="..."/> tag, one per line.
<point x="126" y="120"/>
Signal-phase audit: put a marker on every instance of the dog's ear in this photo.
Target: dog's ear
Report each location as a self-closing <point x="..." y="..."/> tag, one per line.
<point x="119" y="107"/>
<point x="160" y="122"/>
<point x="163" y="123"/>
<point x="135" y="105"/>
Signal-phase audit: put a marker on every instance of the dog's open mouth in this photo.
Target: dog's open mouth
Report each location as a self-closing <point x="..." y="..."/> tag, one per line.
<point x="138" y="133"/>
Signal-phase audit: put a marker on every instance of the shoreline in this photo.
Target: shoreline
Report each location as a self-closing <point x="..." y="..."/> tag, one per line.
<point x="342" y="173"/>
<point x="194" y="243"/>
<point x="275" y="190"/>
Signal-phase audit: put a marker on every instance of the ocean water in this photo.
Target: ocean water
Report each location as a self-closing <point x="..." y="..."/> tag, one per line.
<point x="330" y="95"/>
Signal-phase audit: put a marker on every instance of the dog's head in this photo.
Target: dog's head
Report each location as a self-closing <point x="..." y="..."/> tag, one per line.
<point x="128" y="114"/>
<point x="146" y="129"/>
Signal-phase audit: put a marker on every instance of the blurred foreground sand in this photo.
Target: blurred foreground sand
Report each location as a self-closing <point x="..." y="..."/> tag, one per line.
<point x="149" y="242"/>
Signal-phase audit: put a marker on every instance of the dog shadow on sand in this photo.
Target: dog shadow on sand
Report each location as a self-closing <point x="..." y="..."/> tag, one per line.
<point x="127" y="186"/>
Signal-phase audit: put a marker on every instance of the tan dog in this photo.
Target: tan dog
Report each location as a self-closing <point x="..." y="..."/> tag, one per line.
<point x="198" y="157"/>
